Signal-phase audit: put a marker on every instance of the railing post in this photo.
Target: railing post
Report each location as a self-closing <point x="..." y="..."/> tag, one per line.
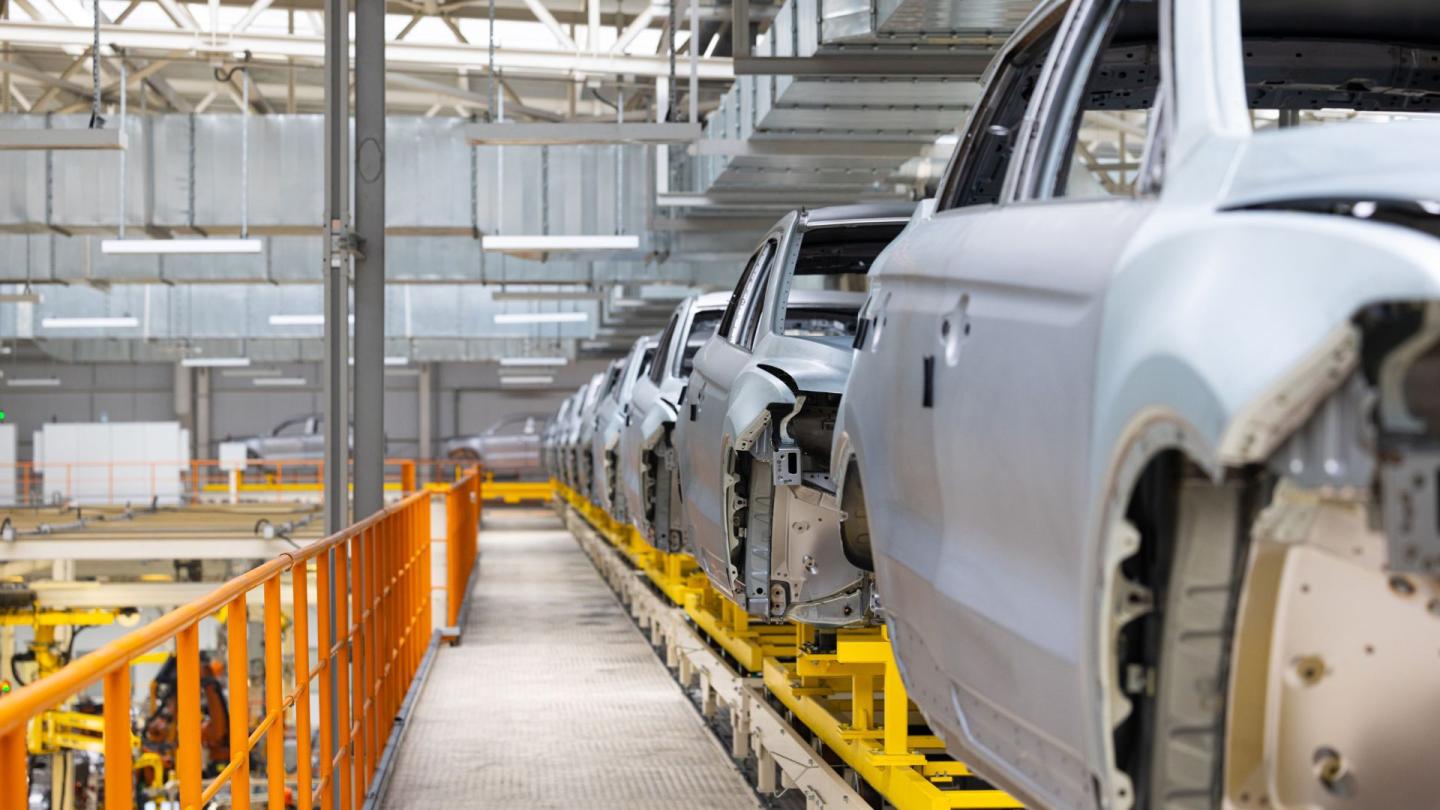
<point x="324" y="607"/>
<point x="14" y="784"/>
<point x="187" y="700"/>
<point x="274" y="697"/>
<point x="342" y="674"/>
<point x="238" y="669"/>
<point x="454" y="527"/>
<point x="119" y="758"/>
<point x="407" y="476"/>
<point x="300" y="585"/>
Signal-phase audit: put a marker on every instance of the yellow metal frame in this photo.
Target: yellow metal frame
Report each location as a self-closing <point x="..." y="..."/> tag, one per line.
<point x="836" y="695"/>
<point x="513" y="492"/>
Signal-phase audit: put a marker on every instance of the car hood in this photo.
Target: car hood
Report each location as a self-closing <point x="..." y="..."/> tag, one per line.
<point x="1350" y="161"/>
<point x="822" y="366"/>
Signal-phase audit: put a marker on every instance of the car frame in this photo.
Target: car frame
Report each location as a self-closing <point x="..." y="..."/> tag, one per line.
<point x="1073" y="454"/>
<point x="753" y="439"/>
<point x="647" y="449"/>
<point x="611" y="415"/>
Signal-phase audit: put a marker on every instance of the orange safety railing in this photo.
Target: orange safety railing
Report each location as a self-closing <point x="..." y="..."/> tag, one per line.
<point x="368" y="654"/>
<point x="462" y="515"/>
<point x="114" y="482"/>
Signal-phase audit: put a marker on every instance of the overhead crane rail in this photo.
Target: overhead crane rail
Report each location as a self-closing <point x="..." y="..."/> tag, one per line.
<point x="369" y="650"/>
<point x="845" y="688"/>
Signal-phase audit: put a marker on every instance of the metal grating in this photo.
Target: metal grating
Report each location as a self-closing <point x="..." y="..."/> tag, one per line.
<point x="554" y="699"/>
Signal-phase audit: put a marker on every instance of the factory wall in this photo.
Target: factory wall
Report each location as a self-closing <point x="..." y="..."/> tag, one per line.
<point x="465" y="398"/>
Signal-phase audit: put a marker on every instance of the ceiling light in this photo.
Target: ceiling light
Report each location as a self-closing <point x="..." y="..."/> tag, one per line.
<point x="251" y="372"/>
<point x="542" y="317"/>
<point x="171" y="246"/>
<point x="535" y="379"/>
<point x="397" y="361"/>
<point x="278" y="381"/>
<point x="126" y="322"/>
<point x="546" y="243"/>
<point x="20" y="298"/>
<point x="33" y="382"/>
<point x="534" y="361"/>
<point x="297" y="320"/>
<point x="547" y="295"/>
<point x="215" y="362"/>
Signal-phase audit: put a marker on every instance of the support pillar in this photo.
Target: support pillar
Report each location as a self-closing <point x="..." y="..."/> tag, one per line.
<point x="425" y="409"/>
<point x="202" y="413"/>
<point x="337" y="265"/>
<point x="370" y="265"/>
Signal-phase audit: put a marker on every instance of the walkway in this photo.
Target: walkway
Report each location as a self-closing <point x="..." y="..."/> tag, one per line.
<point x="554" y="700"/>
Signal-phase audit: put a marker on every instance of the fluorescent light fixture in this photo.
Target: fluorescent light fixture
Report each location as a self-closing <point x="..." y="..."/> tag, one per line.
<point x="542" y="317"/>
<point x="20" y="298"/>
<point x="150" y="247"/>
<point x="402" y="372"/>
<point x="397" y="361"/>
<point x="546" y="243"/>
<point x="297" y="320"/>
<point x="33" y="382"/>
<point x="547" y="295"/>
<point x="126" y="322"/>
<point x="215" y="362"/>
<point x="251" y="372"/>
<point x="529" y="379"/>
<point x="534" y="361"/>
<point x="278" y="382"/>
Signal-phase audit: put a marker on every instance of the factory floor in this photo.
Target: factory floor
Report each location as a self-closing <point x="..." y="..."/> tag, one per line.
<point x="554" y="699"/>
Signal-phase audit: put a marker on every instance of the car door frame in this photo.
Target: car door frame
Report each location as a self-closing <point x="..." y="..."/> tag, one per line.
<point x="705" y="402"/>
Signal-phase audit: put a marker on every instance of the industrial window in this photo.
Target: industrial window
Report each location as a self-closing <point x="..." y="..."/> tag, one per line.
<point x="1309" y="64"/>
<point x="1108" y="117"/>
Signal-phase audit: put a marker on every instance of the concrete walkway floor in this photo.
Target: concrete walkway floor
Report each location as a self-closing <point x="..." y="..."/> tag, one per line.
<point x="553" y="699"/>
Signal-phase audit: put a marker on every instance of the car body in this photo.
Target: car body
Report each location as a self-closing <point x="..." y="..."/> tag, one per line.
<point x="570" y="441"/>
<point x="753" y="438"/>
<point x="584" y="436"/>
<point x="550" y="440"/>
<point x="1101" y="449"/>
<point x="509" y="448"/>
<point x="298" y="437"/>
<point x="610" y="417"/>
<point x="647" y="448"/>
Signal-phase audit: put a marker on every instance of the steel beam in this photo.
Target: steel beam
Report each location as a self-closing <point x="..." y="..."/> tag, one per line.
<point x="75" y="138"/>
<point x="370" y="265"/>
<point x="337" y="265"/>
<point x="809" y="147"/>
<point x="931" y="63"/>
<point x="279" y="46"/>
<point x="582" y="133"/>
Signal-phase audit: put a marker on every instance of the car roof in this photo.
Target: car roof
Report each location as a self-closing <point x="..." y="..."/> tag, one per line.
<point x="713" y="300"/>
<point x="845" y="213"/>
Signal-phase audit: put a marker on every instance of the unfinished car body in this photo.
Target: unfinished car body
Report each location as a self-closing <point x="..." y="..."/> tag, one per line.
<point x="610" y="417"/>
<point x="550" y="441"/>
<point x="575" y="449"/>
<point x="754" y="433"/>
<point x="647" y="449"/>
<point x="1143" y="432"/>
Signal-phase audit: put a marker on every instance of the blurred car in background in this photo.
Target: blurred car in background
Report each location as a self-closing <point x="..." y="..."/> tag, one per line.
<point x="510" y="448"/>
<point x="295" y="438"/>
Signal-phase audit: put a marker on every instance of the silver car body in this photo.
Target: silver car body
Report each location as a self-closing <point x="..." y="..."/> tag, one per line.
<point x="510" y="447"/>
<point x="1212" y="315"/>
<point x="584" y="450"/>
<point x="550" y="440"/>
<point x="610" y="417"/>
<point x="646" y="447"/>
<point x="570" y="441"/>
<point x="753" y="436"/>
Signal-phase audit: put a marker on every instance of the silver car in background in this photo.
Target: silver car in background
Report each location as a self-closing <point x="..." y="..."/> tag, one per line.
<point x="550" y="440"/>
<point x="570" y="456"/>
<point x="509" y="448"/>
<point x="754" y="433"/>
<point x="600" y="387"/>
<point x="1143" y="433"/>
<point x="610" y="417"/>
<point x="647" y="450"/>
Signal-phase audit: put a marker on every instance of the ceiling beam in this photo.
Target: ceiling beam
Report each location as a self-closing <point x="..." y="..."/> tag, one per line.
<point x="515" y="61"/>
<point x="966" y="64"/>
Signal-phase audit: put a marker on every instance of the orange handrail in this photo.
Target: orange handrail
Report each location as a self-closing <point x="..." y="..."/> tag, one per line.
<point x="373" y="647"/>
<point x="462" y="518"/>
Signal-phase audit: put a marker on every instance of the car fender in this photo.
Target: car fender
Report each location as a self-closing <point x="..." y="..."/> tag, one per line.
<point x="755" y="390"/>
<point x="1226" y="392"/>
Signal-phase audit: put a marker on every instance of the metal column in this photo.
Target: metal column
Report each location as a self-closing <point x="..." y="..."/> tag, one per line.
<point x="339" y="244"/>
<point x="370" y="265"/>
<point x="426" y="409"/>
<point x="337" y="265"/>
